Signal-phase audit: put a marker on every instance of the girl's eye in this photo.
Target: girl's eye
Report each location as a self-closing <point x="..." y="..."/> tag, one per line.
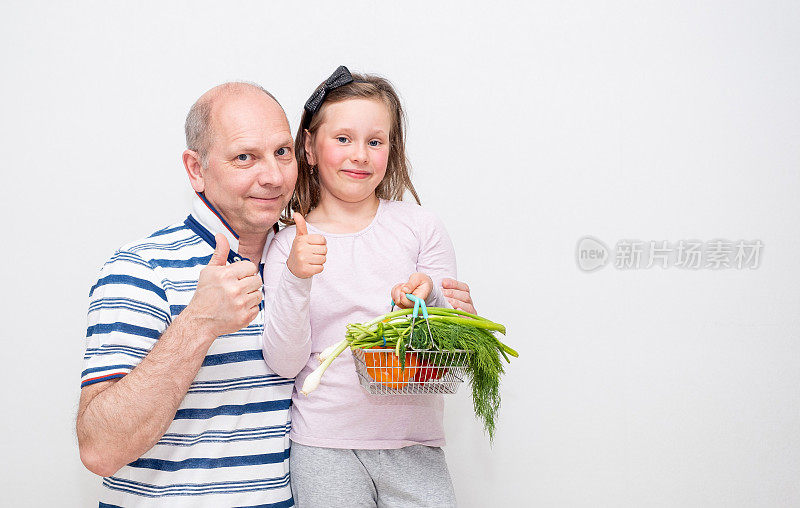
<point x="341" y="139"/>
<point x="374" y="142"/>
<point x="244" y="157"/>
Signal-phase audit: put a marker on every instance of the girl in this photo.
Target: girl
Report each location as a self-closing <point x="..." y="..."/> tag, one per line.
<point x="351" y="448"/>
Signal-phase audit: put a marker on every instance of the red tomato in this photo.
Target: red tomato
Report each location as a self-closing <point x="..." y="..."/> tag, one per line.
<point x="426" y="371"/>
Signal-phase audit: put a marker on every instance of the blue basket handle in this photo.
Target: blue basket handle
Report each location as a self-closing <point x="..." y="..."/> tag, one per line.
<point x="416" y="301"/>
<point x="419" y="303"/>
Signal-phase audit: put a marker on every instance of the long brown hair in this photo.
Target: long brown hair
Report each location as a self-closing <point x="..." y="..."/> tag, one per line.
<point x="397" y="179"/>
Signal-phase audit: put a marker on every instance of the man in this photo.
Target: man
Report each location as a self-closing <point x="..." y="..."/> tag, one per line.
<point x="177" y="406"/>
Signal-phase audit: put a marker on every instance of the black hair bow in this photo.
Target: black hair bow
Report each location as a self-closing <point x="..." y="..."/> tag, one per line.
<point x="341" y="76"/>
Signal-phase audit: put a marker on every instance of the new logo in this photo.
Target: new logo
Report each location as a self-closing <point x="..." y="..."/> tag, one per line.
<point x="591" y="254"/>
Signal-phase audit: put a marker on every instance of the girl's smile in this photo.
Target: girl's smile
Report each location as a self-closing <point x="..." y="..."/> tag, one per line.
<point x="355" y="173"/>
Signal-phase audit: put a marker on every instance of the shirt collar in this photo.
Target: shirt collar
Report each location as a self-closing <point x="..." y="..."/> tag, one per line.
<point x="209" y="218"/>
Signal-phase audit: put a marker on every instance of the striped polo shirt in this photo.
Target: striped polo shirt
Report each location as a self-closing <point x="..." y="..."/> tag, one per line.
<point x="228" y="444"/>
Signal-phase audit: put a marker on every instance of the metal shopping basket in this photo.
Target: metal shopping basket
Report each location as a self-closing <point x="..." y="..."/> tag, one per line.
<point x="427" y="371"/>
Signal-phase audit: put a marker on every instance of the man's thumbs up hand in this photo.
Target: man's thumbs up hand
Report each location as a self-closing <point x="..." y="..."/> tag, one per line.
<point x="308" y="251"/>
<point x="227" y="297"/>
<point x="220" y="256"/>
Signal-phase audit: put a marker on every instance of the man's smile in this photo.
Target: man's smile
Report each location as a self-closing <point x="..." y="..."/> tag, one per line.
<point x="266" y="200"/>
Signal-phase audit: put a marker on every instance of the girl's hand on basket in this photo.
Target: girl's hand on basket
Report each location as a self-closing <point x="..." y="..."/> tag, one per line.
<point x="419" y="285"/>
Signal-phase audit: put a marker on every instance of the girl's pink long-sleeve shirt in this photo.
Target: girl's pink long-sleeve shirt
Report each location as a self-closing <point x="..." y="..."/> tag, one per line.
<point x="305" y="316"/>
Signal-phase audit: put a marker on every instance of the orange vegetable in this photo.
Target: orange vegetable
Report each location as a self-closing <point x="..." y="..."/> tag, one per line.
<point x="384" y="367"/>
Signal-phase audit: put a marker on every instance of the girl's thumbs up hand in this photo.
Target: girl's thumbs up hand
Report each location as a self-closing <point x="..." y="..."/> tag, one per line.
<point x="300" y="223"/>
<point x="308" y="251"/>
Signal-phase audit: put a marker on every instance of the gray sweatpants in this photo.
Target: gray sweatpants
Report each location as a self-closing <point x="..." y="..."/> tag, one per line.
<point x="414" y="476"/>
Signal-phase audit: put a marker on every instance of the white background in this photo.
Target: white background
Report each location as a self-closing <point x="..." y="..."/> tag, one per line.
<point x="531" y="125"/>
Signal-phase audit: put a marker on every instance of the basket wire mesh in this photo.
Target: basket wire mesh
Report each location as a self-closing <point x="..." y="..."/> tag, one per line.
<point x="426" y="371"/>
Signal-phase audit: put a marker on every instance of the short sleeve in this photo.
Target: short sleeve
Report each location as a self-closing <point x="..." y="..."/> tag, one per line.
<point x="128" y="312"/>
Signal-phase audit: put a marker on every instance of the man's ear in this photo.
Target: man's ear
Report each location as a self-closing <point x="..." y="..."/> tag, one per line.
<point x="309" y="147"/>
<point x="191" y="161"/>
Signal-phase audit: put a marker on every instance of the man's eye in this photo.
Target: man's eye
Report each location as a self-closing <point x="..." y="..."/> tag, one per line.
<point x="342" y="139"/>
<point x="244" y="157"/>
<point x="282" y="151"/>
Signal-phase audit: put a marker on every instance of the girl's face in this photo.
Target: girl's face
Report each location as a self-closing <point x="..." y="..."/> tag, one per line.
<point x="351" y="149"/>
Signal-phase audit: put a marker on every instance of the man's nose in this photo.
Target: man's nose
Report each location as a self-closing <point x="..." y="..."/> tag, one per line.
<point x="270" y="174"/>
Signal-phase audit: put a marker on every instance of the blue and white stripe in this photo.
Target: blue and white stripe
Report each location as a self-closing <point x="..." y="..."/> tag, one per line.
<point x="195" y="489"/>
<point x="241" y="383"/>
<point x="228" y="444"/>
<point x="224" y="436"/>
<point x="132" y="305"/>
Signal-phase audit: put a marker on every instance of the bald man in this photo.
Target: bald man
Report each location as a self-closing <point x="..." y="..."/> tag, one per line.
<point x="177" y="406"/>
